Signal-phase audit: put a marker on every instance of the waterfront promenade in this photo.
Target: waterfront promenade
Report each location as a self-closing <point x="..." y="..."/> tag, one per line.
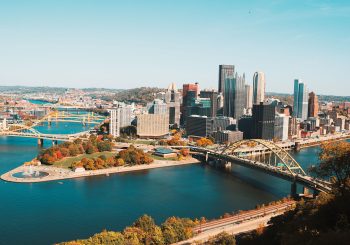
<point x="55" y="173"/>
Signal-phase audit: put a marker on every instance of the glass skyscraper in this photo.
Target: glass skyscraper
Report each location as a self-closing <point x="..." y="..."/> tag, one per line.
<point x="225" y="72"/>
<point x="258" y="87"/>
<point x="300" y="106"/>
<point x="234" y="96"/>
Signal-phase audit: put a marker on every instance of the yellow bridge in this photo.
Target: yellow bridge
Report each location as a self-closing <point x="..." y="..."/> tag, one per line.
<point x="28" y="130"/>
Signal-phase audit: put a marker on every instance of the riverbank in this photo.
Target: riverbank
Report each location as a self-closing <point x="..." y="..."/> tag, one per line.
<point x="326" y="139"/>
<point x="55" y="173"/>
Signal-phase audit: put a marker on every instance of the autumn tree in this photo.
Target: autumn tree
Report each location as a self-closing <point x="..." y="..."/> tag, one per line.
<point x="335" y="164"/>
<point x="204" y="142"/>
<point x="222" y="238"/>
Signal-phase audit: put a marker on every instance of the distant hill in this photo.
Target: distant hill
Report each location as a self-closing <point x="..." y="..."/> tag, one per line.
<point x="138" y="95"/>
<point x="289" y="97"/>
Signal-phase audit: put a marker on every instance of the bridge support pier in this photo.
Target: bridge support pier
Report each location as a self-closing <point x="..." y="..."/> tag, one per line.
<point x="305" y="191"/>
<point x="293" y="190"/>
<point x="40" y="142"/>
<point x="54" y="142"/>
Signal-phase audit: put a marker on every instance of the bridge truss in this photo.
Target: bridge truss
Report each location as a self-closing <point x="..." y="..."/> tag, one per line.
<point x="266" y="152"/>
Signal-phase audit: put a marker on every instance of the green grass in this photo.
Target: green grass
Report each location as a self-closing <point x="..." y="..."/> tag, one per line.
<point x="144" y="142"/>
<point x="164" y="159"/>
<point x="67" y="162"/>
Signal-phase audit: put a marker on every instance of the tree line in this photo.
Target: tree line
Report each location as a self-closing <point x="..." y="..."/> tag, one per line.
<point x="70" y="149"/>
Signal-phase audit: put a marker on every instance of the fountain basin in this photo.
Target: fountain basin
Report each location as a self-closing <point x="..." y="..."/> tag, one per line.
<point x="32" y="175"/>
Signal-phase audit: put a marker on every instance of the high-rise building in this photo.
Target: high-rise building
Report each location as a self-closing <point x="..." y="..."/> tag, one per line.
<point x="199" y="106"/>
<point x="173" y="101"/>
<point x="258" y="87"/>
<point x="213" y="96"/>
<point x="225" y="72"/>
<point x="204" y="126"/>
<point x="263" y="121"/>
<point x="157" y="107"/>
<point x="300" y="100"/>
<point x="313" y="105"/>
<point x="125" y="116"/>
<point x="234" y="96"/>
<point x="245" y="125"/>
<point x="114" y="122"/>
<point x="152" y="125"/>
<point x="248" y="97"/>
<point x="227" y="136"/>
<point x="190" y="92"/>
<point x="281" y="127"/>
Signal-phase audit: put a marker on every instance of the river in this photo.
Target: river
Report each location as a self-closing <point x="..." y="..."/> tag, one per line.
<point x="45" y="213"/>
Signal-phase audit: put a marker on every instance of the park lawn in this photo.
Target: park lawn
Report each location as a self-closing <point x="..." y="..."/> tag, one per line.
<point x="143" y="142"/>
<point x="164" y="159"/>
<point x="67" y="161"/>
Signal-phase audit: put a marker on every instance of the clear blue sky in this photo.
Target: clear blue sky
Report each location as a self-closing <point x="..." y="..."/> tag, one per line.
<point x="124" y="44"/>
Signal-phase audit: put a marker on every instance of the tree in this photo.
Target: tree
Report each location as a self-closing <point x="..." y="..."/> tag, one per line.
<point x="90" y="148"/>
<point x="177" y="229"/>
<point x="204" y="142"/>
<point x="335" y="163"/>
<point x="185" y="152"/>
<point x="222" y="238"/>
<point x="134" y="156"/>
<point x="129" y="131"/>
<point x="104" y="146"/>
<point x="145" y="222"/>
<point x="73" y="150"/>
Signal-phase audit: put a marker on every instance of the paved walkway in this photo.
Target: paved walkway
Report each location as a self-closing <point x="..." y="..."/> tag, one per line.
<point x="60" y="173"/>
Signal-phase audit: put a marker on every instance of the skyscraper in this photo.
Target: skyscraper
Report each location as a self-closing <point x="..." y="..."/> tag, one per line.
<point x="173" y="101"/>
<point x="300" y="107"/>
<point x="213" y="96"/>
<point x="313" y="105"/>
<point x="258" y="87"/>
<point x="248" y="97"/>
<point x="225" y="72"/>
<point x="263" y="121"/>
<point x="190" y="92"/>
<point x="234" y="96"/>
<point x="114" y="122"/>
<point x="157" y="107"/>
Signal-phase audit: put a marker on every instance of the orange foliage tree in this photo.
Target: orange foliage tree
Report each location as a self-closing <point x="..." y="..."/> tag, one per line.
<point x="204" y="142"/>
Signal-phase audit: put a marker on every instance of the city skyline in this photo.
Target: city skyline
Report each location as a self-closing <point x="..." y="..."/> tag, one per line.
<point x="117" y="45"/>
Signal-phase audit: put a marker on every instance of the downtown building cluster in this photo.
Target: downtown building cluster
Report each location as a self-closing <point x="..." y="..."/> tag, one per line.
<point x="236" y="110"/>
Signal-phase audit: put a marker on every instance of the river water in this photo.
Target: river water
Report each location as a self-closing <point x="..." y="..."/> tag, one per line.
<point x="45" y="213"/>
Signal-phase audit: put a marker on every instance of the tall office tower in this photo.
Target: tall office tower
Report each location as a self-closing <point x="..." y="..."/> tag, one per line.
<point x="263" y="121"/>
<point x="258" y="87"/>
<point x="248" y="97"/>
<point x="281" y="127"/>
<point x="157" y="107"/>
<point x="213" y="96"/>
<point x="190" y="92"/>
<point x="125" y="116"/>
<point x="199" y="106"/>
<point x="234" y="96"/>
<point x="114" y="122"/>
<point x="225" y="72"/>
<point x="173" y="101"/>
<point x="300" y="100"/>
<point x="313" y="105"/>
<point x="204" y="126"/>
